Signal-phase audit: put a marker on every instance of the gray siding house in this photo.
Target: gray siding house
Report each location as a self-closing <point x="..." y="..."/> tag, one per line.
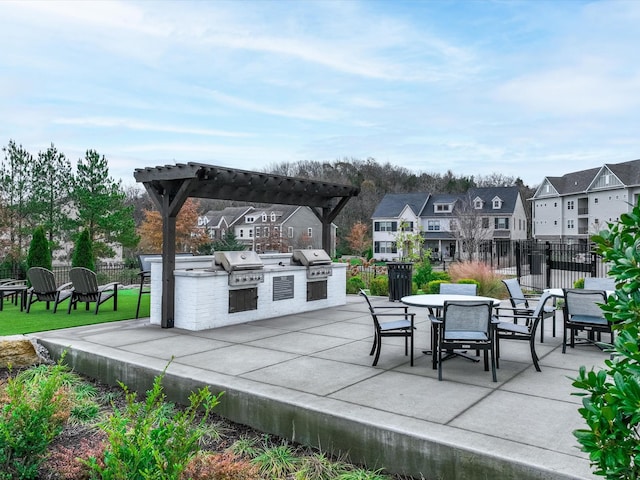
<point x="579" y="204"/>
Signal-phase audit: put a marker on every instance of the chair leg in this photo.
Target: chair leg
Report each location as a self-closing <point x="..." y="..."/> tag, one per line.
<point x="375" y="342"/>
<point x="493" y="366"/>
<point x="440" y="362"/>
<point x="564" y="339"/>
<point x="534" y="355"/>
<point x="379" y="347"/>
<point x="29" y="302"/>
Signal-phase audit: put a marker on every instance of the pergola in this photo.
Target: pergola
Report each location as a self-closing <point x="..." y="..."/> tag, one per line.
<point x="169" y="187"/>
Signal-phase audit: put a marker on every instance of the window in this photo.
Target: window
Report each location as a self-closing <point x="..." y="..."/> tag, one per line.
<point x="407" y="226"/>
<point x="266" y="231"/>
<point x="273" y="216"/>
<point x="485" y="222"/>
<point x="385" y="247"/>
<point x="250" y="233"/>
<point x="555" y="222"/>
<point x="250" y="219"/>
<point x="570" y="224"/>
<point x="570" y="205"/>
<point x="310" y="232"/>
<point x="276" y="231"/>
<point x="290" y="231"/>
<point x="555" y="204"/>
<point x="497" y="203"/>
<point x="453" y="225"/>
<point x="264" y="217"/>
<point x="433" y="225"/>
<point x="241" y="232"/>
<point x="477" y="204"/>
<point x="442" y="207"/>
<point x="387" y="226"/>
<point x="257" y="232"/>
<point x="595" y="200"/>
<point x="501" y="223"/>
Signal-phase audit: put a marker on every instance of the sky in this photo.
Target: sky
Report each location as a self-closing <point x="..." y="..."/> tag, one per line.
<point x="526" y="89"/>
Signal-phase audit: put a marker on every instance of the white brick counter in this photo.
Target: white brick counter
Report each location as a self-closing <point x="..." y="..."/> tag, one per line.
<point x="202" y="296"/>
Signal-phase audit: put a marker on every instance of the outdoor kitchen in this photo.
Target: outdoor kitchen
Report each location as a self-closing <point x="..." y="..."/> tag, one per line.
<point x="228" y="288"/>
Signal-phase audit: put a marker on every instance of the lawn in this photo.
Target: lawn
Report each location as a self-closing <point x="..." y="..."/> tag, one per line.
<point x="13" y="321"/>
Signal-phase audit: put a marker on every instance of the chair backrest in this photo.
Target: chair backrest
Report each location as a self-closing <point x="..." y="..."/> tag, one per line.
<point x="515" y="292"/>
<point x="458" y="288"/>
<point x="362" y="293"/>
<point x="599" y="283"/>
<point x="84" y="280"/>
<point x="144" y="259"/>
<point x="579" y="302"/>
<point x="42" y="280"/>
<point x="467" y="316"/>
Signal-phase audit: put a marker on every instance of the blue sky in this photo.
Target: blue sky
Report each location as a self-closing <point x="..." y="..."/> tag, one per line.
<point x="528" y="89"/>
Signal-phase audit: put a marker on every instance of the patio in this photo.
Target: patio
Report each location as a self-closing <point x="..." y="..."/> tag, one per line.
<point x="308" y="377"/>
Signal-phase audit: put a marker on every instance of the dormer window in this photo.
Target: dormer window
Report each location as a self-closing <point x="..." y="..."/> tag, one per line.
<point x="273" y="216"/>
<point x="477" y="203"/>
<point x="442" y="207"/>
<point x="250" y="219"/>
<point x="497" y="203"/>
<point x="264" y="217"/>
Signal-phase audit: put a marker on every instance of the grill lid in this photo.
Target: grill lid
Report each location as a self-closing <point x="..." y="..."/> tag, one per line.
<point x="243" y="260"/>
<point x="311" y="257"/>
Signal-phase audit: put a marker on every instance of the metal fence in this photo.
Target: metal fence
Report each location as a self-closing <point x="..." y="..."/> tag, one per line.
<point x="107" y="272"/>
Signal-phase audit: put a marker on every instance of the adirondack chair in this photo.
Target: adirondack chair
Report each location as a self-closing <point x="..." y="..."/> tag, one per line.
<point x="87" y="290"/>
<point x="43" y="287"/>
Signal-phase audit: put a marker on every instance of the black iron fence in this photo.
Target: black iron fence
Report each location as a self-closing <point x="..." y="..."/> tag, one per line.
<point x="107" y="272"/>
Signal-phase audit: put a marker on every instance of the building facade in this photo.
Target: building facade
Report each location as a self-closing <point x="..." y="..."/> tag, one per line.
<point x="450" y="225"/>
<point x="276" y="228"/>
<point x="579" y="204"/>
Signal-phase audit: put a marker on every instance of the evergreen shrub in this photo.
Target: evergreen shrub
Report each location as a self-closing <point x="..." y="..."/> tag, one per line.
<point x="380" y="286"/>
<point x="83" y="252"/>
<point x="354" y="284"/>
<point x="39" y="252"/>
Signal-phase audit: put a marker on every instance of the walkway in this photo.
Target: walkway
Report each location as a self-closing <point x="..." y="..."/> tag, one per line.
<point x="308" y="377"/>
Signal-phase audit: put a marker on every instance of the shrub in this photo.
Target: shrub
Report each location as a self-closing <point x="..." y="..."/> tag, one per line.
<point x="148" y="440"/>
<point x="612" y="394"/>
<point x="39" y="252"/>
<point x="433" y="286"/>
<point x="276" y="462"/>
<point x="380" y="286"/>
<point x="422" y="272"/>
<point x="354" y="284"/>
<point x="579" y="283"/>
<point x="70" y="463"/>
<point x="489" y="282"/>
<point x="34" y="410"/>
<point x="83" y="252"/>
<point x="219" y="466"/>
<point x="319" y="467"/>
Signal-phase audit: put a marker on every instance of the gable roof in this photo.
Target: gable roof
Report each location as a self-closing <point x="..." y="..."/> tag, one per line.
<point x="392" y="204"/>
<point x="508" y="195"/>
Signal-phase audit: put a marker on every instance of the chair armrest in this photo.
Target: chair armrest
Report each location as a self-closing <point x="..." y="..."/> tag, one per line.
<point x="144" y="273"/>
<point x="395" y="314"/>
<point x="108" y="286"/>
<point x="65" y="286"/>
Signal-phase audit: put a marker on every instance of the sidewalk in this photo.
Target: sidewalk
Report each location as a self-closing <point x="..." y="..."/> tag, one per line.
<point x="308" y="377"/>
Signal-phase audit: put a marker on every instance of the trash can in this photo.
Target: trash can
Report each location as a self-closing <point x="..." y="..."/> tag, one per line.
<point x="536" y="259"/>
<point x="400" y="277"/>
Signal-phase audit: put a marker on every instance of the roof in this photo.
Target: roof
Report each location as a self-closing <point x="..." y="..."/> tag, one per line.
<point x="508" y="195"/>
<point x="575" y="182"/>
<point x="392" y="204"/>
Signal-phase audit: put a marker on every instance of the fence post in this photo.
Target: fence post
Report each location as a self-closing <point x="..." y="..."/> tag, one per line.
<point x="547" y="247"/>
<point x="518" y="258"/>
<point x="594" y="259"/>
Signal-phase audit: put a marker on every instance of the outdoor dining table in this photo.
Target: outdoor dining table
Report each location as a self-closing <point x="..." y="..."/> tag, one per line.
<point x="15" y="287"/>
<point x="436" y="301"/>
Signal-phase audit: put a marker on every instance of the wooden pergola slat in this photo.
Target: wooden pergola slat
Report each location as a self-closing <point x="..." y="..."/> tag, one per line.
<point x="169" y="186"/>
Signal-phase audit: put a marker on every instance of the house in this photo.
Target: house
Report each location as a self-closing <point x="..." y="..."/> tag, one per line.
<point x="275" y="228"/>
<point x="571" y="208"/>
<point x="483" y="219"/>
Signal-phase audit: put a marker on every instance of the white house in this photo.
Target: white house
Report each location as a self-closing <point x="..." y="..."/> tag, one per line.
<point x="572" y="207"/>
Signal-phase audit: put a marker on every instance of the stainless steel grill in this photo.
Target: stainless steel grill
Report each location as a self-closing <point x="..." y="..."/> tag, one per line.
<point x="317" y="261"/>
<point x="244" y="268"/>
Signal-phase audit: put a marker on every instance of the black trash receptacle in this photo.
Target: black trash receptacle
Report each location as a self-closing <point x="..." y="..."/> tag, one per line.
<point x="535" y="263"/>
<point x="400" y="277"/>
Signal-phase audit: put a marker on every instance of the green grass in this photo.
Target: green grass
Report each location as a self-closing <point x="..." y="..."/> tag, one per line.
<point x="39" y="319"/>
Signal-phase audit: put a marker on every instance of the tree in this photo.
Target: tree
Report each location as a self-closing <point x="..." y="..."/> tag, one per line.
<point x="100" y="208"/>
<point x="228" y="243"/>
<point x="471" y="228"/>
<point x="359" y="239"/>
<point x="15" y="189"/>
<point x="39" y="252"/>
<point x="48" y="203"/>
<point x="83" y="255"/>
<point x="409" y="243"/>
<point x="188" y="236"/>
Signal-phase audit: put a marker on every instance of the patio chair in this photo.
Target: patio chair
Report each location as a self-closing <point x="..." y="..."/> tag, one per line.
<point x="458" y="288"/>
<point x="87" y="290"/>
<point x="508" y="328"/>
<point x="43" y="286"/>
<point x="520" y="304"/>
<point x="599" y="283"/>
<point x="401" y="326"/>
<point x="583" y="313"/>
<point x="466" y="325"/>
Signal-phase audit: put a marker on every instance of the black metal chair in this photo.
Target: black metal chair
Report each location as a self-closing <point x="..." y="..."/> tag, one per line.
<point x="520" y="302"/>
<point x="510" y="328"/>
<point x="87" y="290"/>
<point x="43" y="286"/>
<point x="583" y="313"/>
<point x="403" y="326"/>
<point x="466" y="325"/>
<point x="14" y="290"/>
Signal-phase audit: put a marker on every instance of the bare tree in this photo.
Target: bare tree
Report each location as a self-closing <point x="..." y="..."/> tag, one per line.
<point x="469" y="226"/>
